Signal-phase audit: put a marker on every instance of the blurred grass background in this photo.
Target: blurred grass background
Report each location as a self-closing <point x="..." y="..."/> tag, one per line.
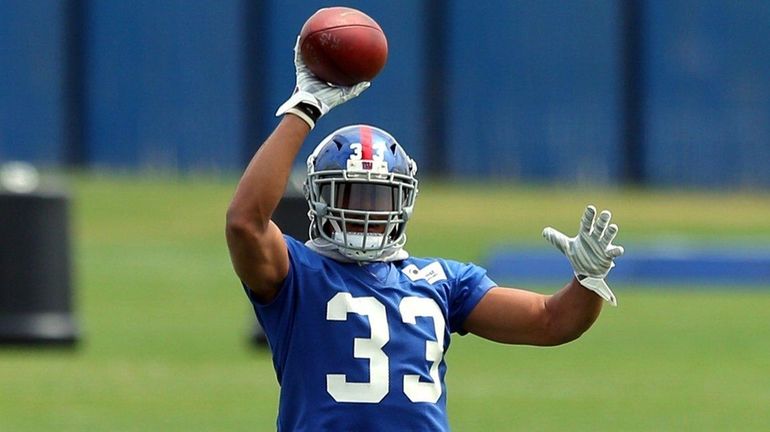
<point x="165" y="342"/>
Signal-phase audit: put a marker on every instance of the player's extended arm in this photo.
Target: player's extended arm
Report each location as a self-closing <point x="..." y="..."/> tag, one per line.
<point x="257" y="249"/>
<point x="521" y="317"/>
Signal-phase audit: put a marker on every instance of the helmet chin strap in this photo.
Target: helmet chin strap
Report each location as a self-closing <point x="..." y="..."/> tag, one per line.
<point x="357" y="240"/>
<point x="357" y="245"/>
<point x="355" y="249"/>
<point x="330" y="250"/>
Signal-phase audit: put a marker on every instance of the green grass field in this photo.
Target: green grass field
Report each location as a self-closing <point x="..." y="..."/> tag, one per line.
<point x="165" y="324"/>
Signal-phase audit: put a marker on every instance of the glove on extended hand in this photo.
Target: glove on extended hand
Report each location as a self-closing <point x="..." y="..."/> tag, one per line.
<point x="591" y="252"/>
<point x="312" y="98"/>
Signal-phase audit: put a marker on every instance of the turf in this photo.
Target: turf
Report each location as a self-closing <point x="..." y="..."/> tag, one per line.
<point x="165" y="325"/>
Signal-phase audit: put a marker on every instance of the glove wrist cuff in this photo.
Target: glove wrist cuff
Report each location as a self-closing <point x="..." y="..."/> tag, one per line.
<point x="312" y="112"/>
<point x="302" y="115"/>
<point x="309" y="113"/>
<point x="305" y="103"/>
<point x="599" y="286"/>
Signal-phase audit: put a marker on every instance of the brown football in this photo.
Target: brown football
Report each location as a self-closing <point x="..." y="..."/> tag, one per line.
<point x="343" y="46"/>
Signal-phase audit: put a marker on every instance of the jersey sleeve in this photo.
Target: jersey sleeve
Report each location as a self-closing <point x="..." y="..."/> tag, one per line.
<point x="470" y="284"/>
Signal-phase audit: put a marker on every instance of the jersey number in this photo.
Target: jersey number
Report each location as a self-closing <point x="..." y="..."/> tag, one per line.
<point x="370" y="348"/>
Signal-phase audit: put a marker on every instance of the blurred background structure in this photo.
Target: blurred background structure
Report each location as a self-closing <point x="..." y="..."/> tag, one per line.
<point x="35" y="283"/>
<point x="665" y="93"/>
<point x="518" y="114"/>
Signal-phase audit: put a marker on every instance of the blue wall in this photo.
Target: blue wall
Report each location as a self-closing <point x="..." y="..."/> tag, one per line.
<point x="708" y="81"/>
<point x="31" y="81"/>
<point x="534" y="89"/>
<point x="164" y="84"/>
<point x="508" y="89"/>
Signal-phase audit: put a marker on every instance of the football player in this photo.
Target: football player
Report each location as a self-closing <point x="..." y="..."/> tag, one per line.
<point x="358" y="328"/>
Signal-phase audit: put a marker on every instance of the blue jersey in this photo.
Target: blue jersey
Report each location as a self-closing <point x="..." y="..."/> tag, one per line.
<point x="361" y="347"/>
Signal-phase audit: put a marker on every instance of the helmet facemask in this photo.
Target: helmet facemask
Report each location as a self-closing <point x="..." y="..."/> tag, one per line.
<point x="364" y="215"/>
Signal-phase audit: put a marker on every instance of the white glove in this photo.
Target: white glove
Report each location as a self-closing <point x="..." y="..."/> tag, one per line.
<point x="591" y="252"/>
<point x="317" y="97"/>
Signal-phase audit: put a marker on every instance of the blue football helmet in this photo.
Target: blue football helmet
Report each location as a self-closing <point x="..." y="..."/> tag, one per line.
<point x="361" y="189"/>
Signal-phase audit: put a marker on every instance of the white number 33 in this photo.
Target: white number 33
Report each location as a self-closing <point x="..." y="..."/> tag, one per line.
<point x="375" y="390"/>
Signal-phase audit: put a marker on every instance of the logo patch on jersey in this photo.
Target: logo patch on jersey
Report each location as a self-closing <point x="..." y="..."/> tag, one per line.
<point x="431" y="273"/>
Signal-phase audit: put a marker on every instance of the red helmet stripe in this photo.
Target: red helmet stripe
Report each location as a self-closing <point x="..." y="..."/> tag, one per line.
<point x="366" y="143"/>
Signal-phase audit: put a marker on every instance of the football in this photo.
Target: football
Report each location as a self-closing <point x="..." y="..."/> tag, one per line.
<point x="343" y="46"/>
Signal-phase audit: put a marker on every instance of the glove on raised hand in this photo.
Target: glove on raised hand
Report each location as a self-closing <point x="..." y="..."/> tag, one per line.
<point x="591" y="252"/>
<point x="312" y="98"/>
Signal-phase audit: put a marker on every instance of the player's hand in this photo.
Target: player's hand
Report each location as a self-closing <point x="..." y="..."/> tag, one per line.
<point x="591" y="252"/>
<point x="316" y="93"/>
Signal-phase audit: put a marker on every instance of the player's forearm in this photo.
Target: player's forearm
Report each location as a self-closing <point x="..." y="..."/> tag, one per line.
<point x="264" y="180"/>
<point x="571" y="311"/>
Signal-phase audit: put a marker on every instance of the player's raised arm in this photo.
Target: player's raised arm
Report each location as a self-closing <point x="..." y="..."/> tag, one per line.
<point x="257" y="249"/>
<point x="521" y="317"/>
